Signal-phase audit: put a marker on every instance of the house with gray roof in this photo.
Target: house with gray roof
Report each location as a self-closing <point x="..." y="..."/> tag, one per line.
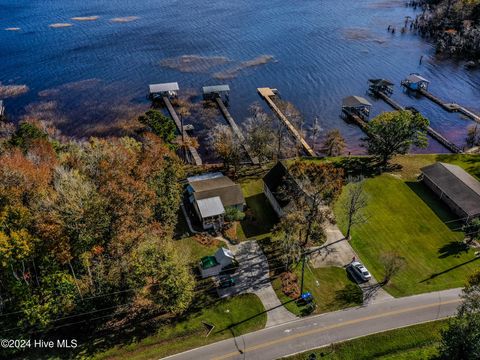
<point x="455" y="187"/>
<point x="210" y="194"/>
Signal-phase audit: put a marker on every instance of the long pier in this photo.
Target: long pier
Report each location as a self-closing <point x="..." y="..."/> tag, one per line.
<point x="267" y="94"/>
<point x="236" y="130"/>
<point x="197" y="160"/>
<point x="356" y="119"/>
<point x="2" y="110"/>
<point x="433" y="133"/>
<point x="450" y="107"/>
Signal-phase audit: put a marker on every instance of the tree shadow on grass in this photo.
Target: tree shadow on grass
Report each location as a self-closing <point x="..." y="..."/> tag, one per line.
<point x="262" y="217"/>
<point x="433" y="276"/>
<point x="453" y="248"/>
<point x="435" y="204"/>
<point x="351" y="294"/>
<point x="473" y="162"/>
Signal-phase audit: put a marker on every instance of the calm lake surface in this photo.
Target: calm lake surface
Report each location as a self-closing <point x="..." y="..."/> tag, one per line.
<point x="93" y="76"/>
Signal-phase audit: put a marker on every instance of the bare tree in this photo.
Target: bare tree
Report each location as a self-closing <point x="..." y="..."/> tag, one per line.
<point x="334" y="143"/>
<point x="260" y="136"/>
<point x="353" y="207"/>
<point x="222" y="140"/>
<point x="392" y="264"/>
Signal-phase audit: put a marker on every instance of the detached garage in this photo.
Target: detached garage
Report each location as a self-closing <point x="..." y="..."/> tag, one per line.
<point x="455" y="187"/>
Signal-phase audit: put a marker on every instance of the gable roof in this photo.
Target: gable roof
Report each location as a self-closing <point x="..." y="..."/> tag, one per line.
<point x="461" y="187"/>
<point x="353" y="101"/>
<point x="221" y="186"/>
<point x="165" y="87"/>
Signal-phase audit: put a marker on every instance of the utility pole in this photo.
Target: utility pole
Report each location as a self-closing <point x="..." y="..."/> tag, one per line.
<point x="303" y="273"/>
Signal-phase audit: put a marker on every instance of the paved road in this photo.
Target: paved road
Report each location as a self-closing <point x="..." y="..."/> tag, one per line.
<point x="312" y="332"/>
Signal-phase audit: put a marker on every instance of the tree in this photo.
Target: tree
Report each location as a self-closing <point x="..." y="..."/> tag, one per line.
<point x="461" y="339"/>
<point x="26" y="133"/>
<point x="392" y="133"/>
<point x="163" y="274"/>
<point x="473" y="136"/>
<point x="392" y="264"/>
<point x="224" y="142"/>
<point x="160" y="125"/>
<point x="260" y="136"/>
<point x="233" y="214"/>
<point x="472" y="229"/>
<point x="334" y="143"/>
<point x="355" y="202"/>
<point x="288" y="234"/>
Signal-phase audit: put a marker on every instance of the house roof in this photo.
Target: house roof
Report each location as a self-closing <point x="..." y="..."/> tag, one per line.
<point x="210" y="207"/>
<point x="415" y="78"/>
<point x="215" y="89"/>
<point x="277" y="178"/>
<point x="221" y="186"/>
<point x="206" y="176"/>
<point x="165" y="87"/>
<point x="461" y="187"/>
<point x="353" y="101"/>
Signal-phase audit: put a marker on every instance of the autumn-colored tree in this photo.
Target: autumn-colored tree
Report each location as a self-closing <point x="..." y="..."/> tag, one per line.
<point x="334" y="143"/>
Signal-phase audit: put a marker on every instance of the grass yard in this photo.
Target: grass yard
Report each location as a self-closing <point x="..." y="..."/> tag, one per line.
<point x="413" y="342"/>
<point x="191" y="332"/>
<point x="330" y="287"/>
<point x="407" y="218"/>
<point x="260" y="217"/>
<point x="194" y="250"/>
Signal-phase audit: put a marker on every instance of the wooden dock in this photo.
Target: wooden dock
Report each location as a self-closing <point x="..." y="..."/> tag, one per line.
<point x="356" y="119"/>
<point x="267" y="94"/>
<point x="2" y="110"/>
<point x="236" y="130"/>
<point x="433" y="133"/>
<point x="197" y="160"/>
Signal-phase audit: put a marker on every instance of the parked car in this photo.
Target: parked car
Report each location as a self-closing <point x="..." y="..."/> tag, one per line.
<point x="226" y="281"/>
<point x="359" y="271"/>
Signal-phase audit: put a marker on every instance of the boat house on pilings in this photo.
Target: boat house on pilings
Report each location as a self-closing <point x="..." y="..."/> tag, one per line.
<point x="158" y="91"/>
<point x="216" y="91"/>
<point x="415" y="82"/>
<point x="356" y="105"/>
<point x="377" y="86"/>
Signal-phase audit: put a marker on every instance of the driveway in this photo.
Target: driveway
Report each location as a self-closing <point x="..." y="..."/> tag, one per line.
<point x="337" y="251"/>
<point x="252" y="276"/>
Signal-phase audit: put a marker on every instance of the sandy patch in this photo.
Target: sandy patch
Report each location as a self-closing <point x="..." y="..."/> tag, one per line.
<point x="12" y="29"/>
<point x="85" y="18"/>
<point x="7" y="91"/>
<point x="59" y="25"/>
<point x="124" y="19"/>
<point x="193" y="63"/>
<point x="233" y="72"/>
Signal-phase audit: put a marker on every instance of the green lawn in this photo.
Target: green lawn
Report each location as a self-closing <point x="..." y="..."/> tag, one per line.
<point x="330" y="287"/>
<point x="191" y="332"/>
<point x="260" y="216"/>
<point x="413" y="342"/>
<point x="406" y="217"/>
<point x="194" y="250"/>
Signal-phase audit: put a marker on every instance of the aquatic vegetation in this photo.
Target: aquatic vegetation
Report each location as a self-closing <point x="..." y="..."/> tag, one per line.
<point x="194" y="63"/>
<point x="233" y="72"/>
<point x="60" y="25"/>
<point x="85" y="18"/>
<point x="7" y="91"/>
<point x="124" y="19"/>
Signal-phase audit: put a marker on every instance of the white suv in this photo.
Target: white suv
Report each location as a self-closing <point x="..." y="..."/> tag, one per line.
<point x="360" y="271"/>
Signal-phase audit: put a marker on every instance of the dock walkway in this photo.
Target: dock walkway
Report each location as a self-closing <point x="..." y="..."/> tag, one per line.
<point x="267" y="94"/>
<point x="356" y="119"/>
<point x="433" y="133"/>
<point x="236" y="130"/>
<point x="193" y="152"/>
<point x="450" y="107"/>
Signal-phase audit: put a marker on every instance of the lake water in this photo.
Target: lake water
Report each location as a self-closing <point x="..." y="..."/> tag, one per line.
<point x="92" y="77"/>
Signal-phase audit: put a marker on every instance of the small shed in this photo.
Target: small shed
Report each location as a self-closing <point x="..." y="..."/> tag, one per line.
<point x="213" y="265"/>
<point x="164" y="89"/>
<point x="212" y="92"/>
<point x="356" y="105"/>
<point x="416" y="82"/>
<point x="380" y="85"/>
